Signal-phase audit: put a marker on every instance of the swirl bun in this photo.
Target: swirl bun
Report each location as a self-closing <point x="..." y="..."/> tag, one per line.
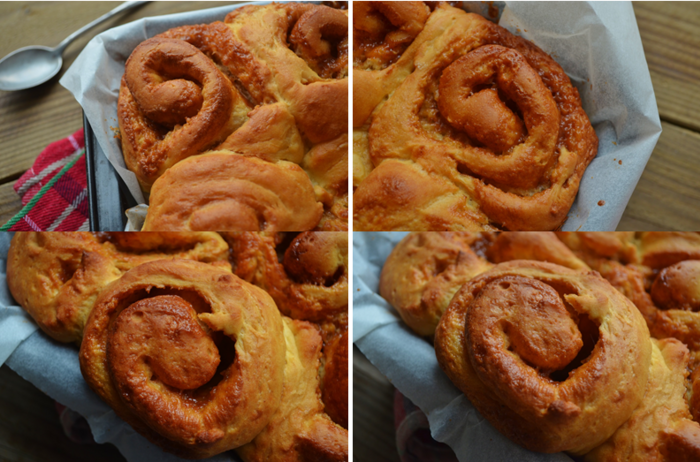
<point x="312" y="37"/>
<point x="56" y="277"/>
<point x="384" y="46"/>
<point x="482" y="114"/>
<point x="660" y="429"/>
<point x="555" y="359"/>
<point x="221" y="190"/>
<point x="424" y="271"/>
<point x="311" y="280"/>
<point x="150" y="351"/>
<point x="197" y="107"/>
<point x="311" y="76"/>
<point x="270" y="83"/>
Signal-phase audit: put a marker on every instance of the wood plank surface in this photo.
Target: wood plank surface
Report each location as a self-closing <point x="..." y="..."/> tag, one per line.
<point x="10" y="203"/>
<point x="30" y="429"/>
<point x="667" y="197"/>
<point x="373" y="413"/>
<point x="670" y="34"/>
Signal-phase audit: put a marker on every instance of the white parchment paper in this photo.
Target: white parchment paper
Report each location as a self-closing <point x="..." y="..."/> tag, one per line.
<point x="599" y="47"/>
<point x="94" y="77"/>
<point x="597" y="44"/>
<point x="410" y="364"/>
<point x="53" y="368"/>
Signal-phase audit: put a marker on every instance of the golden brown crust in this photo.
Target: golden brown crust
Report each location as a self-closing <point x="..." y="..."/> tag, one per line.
<point x="682" y="444"/>
<point x="660" y="250"/>
<point x="56" y="277"/>
<point x="517" y="389"/>
<point x="398" y="195"/>
<point x="150" y="374"/>
<point x="658" y="272"/>
<point x="443" y="114"/>
<point x="307" y="277"/>
<point x="327" y="166"/>
<point x="269" y="134"/>
<point x="538" y="246"/>
<point x="591" y="246"/>
<point x="271" y="84"/>
<point x="660" y="429"/>
<point x="318" y="102"/>
<point x="224" y="191"/>
<point x="311" y="281"/>
<point x="299" y="429"/>
<point x="424" y="271"/>
<point x="387" y="37"/>
<point x="195" y="119"/>
<point x="334" y="386"/>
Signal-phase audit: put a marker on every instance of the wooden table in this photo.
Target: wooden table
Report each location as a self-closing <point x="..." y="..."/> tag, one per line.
<point x="666" y="198"/>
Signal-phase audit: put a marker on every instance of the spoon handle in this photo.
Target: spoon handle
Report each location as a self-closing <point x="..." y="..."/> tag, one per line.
<point x="124" y="6"/>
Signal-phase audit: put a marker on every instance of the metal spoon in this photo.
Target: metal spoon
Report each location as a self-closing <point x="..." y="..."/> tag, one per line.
<point x="32" y="66"/>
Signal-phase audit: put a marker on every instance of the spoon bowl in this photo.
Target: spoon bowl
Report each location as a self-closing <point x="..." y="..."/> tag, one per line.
<point x="29" y="67"/>
<point x="32" y="66"/>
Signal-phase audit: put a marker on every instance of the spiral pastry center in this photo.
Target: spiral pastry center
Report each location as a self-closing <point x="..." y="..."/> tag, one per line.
<point x="159" y="338"/>
<point x="378" y="18"/>
<point x="386" y="29"/>
<point x="316" y="258"/>
<point x="320" y="37"/>
<point x="480" y="112"/>
<point x="166" y="81"/>
<point x="678" y="287"/>
<point x="526" y="317"/>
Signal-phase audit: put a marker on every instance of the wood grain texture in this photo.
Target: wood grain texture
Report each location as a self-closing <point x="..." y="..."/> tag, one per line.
<point x="667" y="197"/>
<point x="670" y="34"/>
<point x="30" y="430"/>
<point x="374" y="438"/>
<point x="10" y="203"/>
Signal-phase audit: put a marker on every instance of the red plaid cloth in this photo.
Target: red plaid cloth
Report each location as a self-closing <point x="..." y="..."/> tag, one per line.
<point x="54" y="190"/>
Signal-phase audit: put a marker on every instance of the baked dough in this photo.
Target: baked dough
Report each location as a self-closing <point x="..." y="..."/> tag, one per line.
<point x="56" y="277"/>
<point x="270" y="83"/>
<point x="224" y="191"/>
<point x="469" y="126"/>
<point x="660" y="429"/>
<point x="555" y="359"/>
<point x="424" y="271"/>
<point x="309" y="282"/>
<point x="307" y="276"/>
<point x="188" y="354"/>
<point x="300" y="430"/>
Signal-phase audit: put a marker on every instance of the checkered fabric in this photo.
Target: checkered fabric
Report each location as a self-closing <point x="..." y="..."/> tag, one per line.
<point x="54" y="190"/>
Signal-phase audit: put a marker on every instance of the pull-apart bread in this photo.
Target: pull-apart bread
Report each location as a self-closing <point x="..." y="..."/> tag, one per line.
<point x="460" y="125"/>
<point x="197" y="358"/>
<point x="241" y="125"/>
<point x="586" y="343"/>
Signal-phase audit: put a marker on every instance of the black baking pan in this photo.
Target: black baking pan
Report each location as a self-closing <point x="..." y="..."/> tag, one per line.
<point x="108" y="195"/>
